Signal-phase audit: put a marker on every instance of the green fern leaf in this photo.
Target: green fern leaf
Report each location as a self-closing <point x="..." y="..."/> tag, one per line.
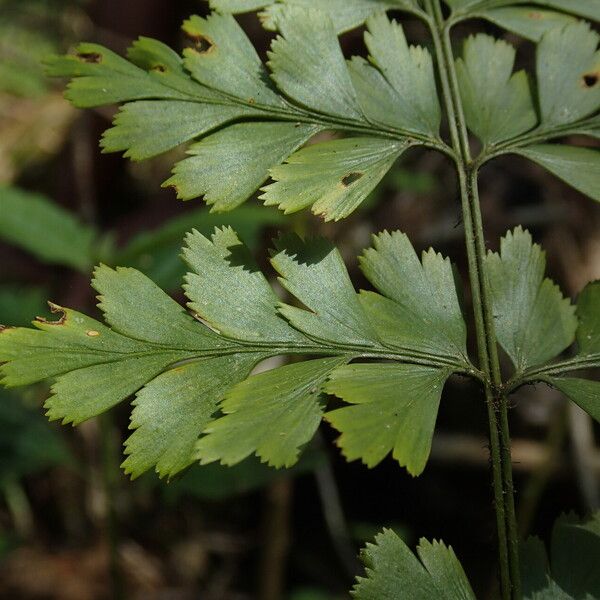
<point x="569" y="86"/>
<point x="395" y="573"/>
<point x="394" y="409"/>
<point x="583" y="392"/>
<point x="590" y="9"/>
<point x="534" y="323"/>
<point x="332" y="177"/>
<point x="344" y="14"/>
<point x="247" y="151"/>
<point x="146" y="128"/>
<point x="314" y="273"/>
<point x="528" y="22"/>
<point x="572" y="571"/>
<point x="497" y="103"/>
<point x="166" y="432"/>
<point x="499" y="109"/>
<point x="186" y="368"/>
<point x="223" y="268"/>
<point x="246" y="118"/>
<point x="102" y="77"/>
<point x="272" y="414"/>
<point x="308" y="34"/>
<point x="409" y="72"/>
<point x="577" y="166"/>
<point x="418" y="306"/>
<point x="224" y="59"/>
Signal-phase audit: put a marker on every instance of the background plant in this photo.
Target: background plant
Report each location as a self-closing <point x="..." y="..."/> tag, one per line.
<point x="511" y="300"/>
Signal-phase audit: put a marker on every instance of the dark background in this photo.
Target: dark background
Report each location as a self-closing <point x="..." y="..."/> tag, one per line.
<point x="72" y="527"/>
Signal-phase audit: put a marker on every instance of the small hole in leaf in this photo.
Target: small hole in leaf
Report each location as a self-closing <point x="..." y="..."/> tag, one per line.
<point x="54" y="309"/>
<point x="202" y="44"/>
<point x="90" y="57"/>
<point x="351" y="178"/>
<point x="173" y="187"/>
<point x="590" y="80"/>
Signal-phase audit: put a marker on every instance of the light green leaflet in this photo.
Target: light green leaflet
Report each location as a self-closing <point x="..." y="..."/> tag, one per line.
<point x="224" y="59"/>
<point x="568" y="74"/>
<point x="272" y="414"/>
<point x="315" y="274"/>
<point x="246" y="118"/>
<point x="499" y="107"/>
<point x="394" y="408"/>
<point x="170" y="411"/>
<point x="393" y="572"/>
<point x="320" y="80"/>
<point x="248" y="149"/>
<point x="223" y="267"/>
<point x="345" y="14"/>
<point x="589" y="9"/>
<point x="419" y="307"/>
<point x="497" y="103"/>
<point x="528" y="22"/>
<point x="409" y="72"/>
<point x="577" y="166"/>
<point x="146" y="128"/>
<point x="186" y="367"/>
<point x="584" y="392"/>
<point x="572" y="570"/>
<point x="332" y="177"/>
<point x="534" y="323"/>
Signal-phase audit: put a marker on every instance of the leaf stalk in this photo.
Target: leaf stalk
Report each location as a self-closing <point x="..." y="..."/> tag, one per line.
<point x="496" y="399"/>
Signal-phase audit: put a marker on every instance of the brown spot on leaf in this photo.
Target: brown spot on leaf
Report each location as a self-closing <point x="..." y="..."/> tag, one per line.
<point x="92" y="333"/>
<point x="159" y="68"/>
<point x="590" y="80"/>
<point x="4" y="328"/>
<point x="251" y="101"/>
<point x="535" y="15"/>
<point x="351" y="178"/>
<point x="202" y="43"/>
<point x="90" y="57"/>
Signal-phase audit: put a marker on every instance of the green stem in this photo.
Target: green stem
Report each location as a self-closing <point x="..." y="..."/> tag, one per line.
<point x="497" y="405"/>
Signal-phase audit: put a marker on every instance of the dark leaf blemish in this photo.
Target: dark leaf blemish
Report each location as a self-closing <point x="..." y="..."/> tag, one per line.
<point x="90" y="57"/>
<point x="351" y="178"/>
<point x="590" y="80"/>
<point x="202" y="44"/>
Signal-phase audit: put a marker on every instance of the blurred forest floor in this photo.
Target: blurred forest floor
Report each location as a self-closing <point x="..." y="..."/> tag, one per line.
<point x="72" y="527"/>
